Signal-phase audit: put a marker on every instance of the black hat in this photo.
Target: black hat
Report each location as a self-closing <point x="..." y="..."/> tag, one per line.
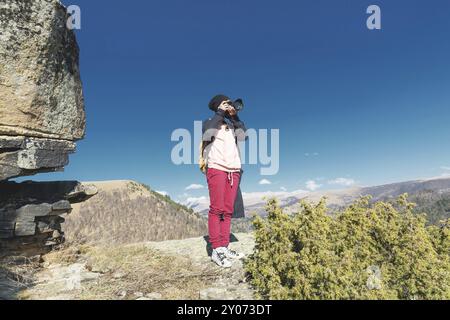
<point x="216" y="101"/>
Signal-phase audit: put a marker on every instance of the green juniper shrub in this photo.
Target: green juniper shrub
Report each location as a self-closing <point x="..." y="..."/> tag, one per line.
<point x="365" y="251"/>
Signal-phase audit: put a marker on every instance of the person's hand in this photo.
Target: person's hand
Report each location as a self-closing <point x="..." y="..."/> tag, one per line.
<point x="224" y="106"/>
<point x="232" y="111"/>
<point x="228" y="108"/>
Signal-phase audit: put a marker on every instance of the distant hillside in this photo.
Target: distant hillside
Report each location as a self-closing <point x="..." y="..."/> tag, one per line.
<point x="383" y="192"/>
<point x="435" y="205"/>
<point x="432" y="196"/>
<point x="129" y="212"/>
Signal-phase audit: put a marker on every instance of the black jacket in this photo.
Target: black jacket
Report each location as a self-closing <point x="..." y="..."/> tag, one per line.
<point x="240" y="131"/>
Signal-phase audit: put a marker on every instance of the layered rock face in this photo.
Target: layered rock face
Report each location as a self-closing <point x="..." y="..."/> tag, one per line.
<point x="22" y="156"/>
<point x="41" y="116"/>
<point x="31" y="214"/>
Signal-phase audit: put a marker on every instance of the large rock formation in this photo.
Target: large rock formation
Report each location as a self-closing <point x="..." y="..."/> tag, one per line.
<point x="40" y="88"/>
<point x="41" y="116"/>
<point x="41" y="100"/>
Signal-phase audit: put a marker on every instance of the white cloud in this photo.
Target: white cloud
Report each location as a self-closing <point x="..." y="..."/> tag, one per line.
<point x="446" y="168"/>
<point x="342" y="182"/>
<point x="264" y="182"/>
<point x="314" y="154"/>
<point x="164" y="193"/>
<point x="198" y="204"/>
<point x="195" y="187"/>
<point x="283" y="189"/>
<point x="312" y="185"/>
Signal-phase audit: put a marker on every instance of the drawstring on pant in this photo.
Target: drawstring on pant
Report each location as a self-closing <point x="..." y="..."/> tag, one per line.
<point x="230" y="178"/>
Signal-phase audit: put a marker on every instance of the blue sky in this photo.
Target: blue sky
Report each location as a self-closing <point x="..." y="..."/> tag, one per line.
<point x="350" y="103"/>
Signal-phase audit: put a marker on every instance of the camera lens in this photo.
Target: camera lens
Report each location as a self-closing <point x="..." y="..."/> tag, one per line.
<point x="238" y="105"/>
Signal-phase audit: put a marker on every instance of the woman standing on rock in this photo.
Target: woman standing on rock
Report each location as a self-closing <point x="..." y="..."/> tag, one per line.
<point x="220" y="160"/>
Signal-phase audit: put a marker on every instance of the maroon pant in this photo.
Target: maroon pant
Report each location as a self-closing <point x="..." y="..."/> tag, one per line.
<point x="222" y="194"/>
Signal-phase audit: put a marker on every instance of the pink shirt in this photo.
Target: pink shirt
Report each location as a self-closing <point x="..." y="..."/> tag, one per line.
<point x="223" y="153"/>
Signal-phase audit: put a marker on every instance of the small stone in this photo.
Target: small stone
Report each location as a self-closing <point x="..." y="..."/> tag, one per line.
<point x="118" y="275"/>
<point x="89" y="276"/>
<point x="213" y="294"/>
<point x="62" y="205"/>
<point x="56" y="234"/>
<point x="154" y="296"/>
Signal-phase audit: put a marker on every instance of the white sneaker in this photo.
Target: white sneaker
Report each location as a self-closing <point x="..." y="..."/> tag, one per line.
<point x="231" y="254"/>
<point x="218" y="256"/>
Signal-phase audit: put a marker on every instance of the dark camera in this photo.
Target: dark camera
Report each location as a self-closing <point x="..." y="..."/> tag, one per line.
<point x="238" y="105"/>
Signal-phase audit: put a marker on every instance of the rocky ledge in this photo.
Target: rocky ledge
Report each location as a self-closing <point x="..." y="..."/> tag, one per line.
<point x="22" y="156"/>
<point x="31" y="214"/>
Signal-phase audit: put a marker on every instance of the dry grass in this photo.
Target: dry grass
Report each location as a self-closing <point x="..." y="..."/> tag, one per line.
<point x="19" y="269"/>
<point x="16" y="274"/>
<point x="135" y="269"/>
<point x="138" y="269"/>
<point x="129" y="269"/>
<point x="65" y="254"/>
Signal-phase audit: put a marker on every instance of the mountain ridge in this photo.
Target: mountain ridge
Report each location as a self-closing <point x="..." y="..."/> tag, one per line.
<point x="254" y="201"/>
